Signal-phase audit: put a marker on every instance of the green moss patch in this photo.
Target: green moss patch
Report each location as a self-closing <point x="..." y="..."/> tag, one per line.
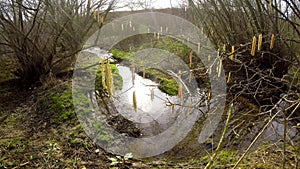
<point x="119" y="54"/>
<point x="59" y="104"/>
<point x="166" y="83"/>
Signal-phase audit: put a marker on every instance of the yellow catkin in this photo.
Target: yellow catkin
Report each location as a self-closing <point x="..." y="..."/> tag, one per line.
<point x="224" y="48"/>
<point x="144" y="71"/>
<point x="271" y="4"/>
<point x="95" y="14"/>
<point x="158" y="36"/>
<point x="232" y="53"/>
<point x="199" y="48"/>
<point x="100" y="19"/>
<point x="107" y="74"/>
<point x="229" y="77"/>
<point x="209" y="95"/>
<point x="132" y="74"/>
<point x="189" y="108"/>
<point x="103" y="73"/>
<point x="260" y="38"/>
<point x="220" y="68"/>
<point x="253" y="48"/>
<point x="109" y="80"/>
<point x="152" y="94"/>
<point x="180" y="91"/>
<point x="272" y="43"/>
<point x="190" y="77"/>
<point x="191" y="59"/>
<point x="179" y="86"/>
<point x="112" y="81"/>
<point x="134" y="101"/>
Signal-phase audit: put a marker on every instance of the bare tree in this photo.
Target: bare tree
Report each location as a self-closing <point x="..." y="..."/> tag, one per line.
<point x="138" y="4"/>
<point x="259" y="44"/>
<point x="42" y="35"/>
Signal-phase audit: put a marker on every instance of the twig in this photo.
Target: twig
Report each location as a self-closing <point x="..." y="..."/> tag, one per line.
<point x="222" y="138"/>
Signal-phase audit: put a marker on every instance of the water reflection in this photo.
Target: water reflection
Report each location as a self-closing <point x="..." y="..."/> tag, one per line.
<point x="149" y="108"/>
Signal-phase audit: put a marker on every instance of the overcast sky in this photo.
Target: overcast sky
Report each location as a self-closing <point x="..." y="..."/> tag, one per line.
<point x="156" y="3"/>
<point x="165" y="3"/>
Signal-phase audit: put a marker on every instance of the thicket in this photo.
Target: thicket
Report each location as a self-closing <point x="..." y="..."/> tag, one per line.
<point x="44" y="36"/>
<point x="259" y="45"/>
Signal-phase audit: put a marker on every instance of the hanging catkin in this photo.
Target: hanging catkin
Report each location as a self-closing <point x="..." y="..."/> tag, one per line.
<point x="253" y="48"/>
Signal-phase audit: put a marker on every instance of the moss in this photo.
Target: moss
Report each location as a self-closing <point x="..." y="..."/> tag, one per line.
<point x="168" y="86"/>
<point x="172" y="45"/>
<point x="65" y="105"/>
<point x="104" y="136"/>
<point x="119" y="54"/>
<point x="166" y="83"/>
<point x="60" y="105"/>
<point x="83" y="104"/>
<point x="227" y="157"/>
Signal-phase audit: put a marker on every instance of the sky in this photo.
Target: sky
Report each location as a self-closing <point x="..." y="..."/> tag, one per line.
<point x="165" y="3"/>
<point x="156" y="3"/>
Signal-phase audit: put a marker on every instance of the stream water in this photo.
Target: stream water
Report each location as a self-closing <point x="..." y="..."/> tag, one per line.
<point x="143" y="103"/>
<point x="150" y="107"/>
<point x="153" y="113"/>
